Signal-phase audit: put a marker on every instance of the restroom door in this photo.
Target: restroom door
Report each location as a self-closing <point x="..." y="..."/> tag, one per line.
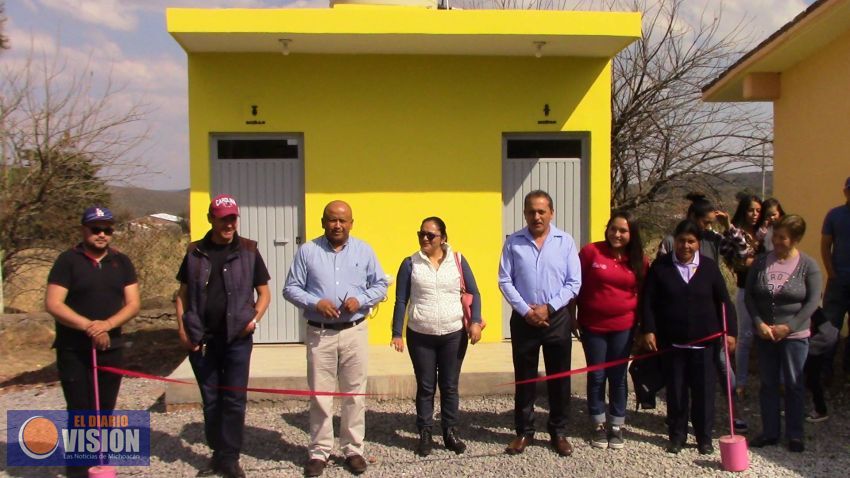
<point x="555" y="165"/>
<point x="265" y="174"/>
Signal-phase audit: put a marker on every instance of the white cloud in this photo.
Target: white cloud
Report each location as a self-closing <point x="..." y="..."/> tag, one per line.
<point x="113" y="14"/>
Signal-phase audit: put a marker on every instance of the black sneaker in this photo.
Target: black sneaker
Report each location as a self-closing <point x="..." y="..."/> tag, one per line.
<point x="599" y="438"/>
<point x="615" y="438"/>
<point x="426" y="443"/>
<point x="796" y="446"/>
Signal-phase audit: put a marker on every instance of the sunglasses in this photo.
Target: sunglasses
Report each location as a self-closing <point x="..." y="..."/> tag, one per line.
<point x="97" y="230"/>
<point x="429" y="235"/>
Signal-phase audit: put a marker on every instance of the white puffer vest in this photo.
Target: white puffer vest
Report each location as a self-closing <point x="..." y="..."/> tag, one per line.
<point x="434" y="306"/>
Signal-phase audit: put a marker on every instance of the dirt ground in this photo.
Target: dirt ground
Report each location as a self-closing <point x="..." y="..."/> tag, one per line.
<point x="27" y="359"/>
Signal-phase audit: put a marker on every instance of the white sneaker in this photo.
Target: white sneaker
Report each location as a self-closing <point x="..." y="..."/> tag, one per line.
<point x="815" y="417"/>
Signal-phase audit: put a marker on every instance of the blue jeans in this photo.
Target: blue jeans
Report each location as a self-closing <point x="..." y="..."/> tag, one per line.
<point x="745" y="341"/>
<point x="224" y="364"/>
<point x="786" y="357"/>
<point x="436" y="362"/>
<point x="600" y="348"/>
<point x="836" y="303"/>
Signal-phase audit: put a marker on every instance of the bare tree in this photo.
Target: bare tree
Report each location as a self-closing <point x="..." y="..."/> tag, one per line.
<point x="4" y="41"/>
<point x="64" y="135"/>
<point x="663" y="136"/>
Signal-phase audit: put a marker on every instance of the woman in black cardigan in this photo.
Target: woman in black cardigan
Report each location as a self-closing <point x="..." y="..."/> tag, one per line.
<point x="683" y="296"/>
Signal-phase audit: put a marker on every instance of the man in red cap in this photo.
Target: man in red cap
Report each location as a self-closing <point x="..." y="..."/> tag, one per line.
<point x="217" y="314"/>
<point x="91" y="291"/>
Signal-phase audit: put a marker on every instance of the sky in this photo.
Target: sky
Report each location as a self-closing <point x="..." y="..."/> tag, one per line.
<point x="127" y="40"/>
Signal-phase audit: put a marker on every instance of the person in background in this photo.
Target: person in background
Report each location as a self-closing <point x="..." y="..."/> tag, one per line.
<point x="217" y="315"/>
<point x="539" y="274"/>
<point x="771" y="213"/>
<point x="92" y="290"/>
<point x="783" y="291"/>
<point x="823" y="338"/>
<point x="683" y="298"/>
<point x="428" y="288"/>
<point x="835" y="253"/>
<point x="612" y="271"/>
<point x="705" y="215"/>
<point x="739" y="247"/>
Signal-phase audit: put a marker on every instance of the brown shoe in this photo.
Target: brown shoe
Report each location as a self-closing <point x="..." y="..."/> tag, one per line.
<point x="314" y="467"/>
<point x="356" y="464"/>
<point x="518" y="445"/>
<point x="562" y="446"/>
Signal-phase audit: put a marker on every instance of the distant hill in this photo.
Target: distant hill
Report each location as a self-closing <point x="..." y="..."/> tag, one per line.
<point x="130" y="202"/>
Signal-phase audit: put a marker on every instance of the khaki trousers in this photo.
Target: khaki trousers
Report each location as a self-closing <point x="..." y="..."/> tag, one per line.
<point x="337" y="357"/>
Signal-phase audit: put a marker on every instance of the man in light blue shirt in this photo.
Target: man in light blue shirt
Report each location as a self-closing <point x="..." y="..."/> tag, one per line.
<point x="336" y="279"/>
<point x="539" y="274"/>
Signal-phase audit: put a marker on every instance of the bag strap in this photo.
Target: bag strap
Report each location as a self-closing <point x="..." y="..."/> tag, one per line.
<point x="460" y="271"/>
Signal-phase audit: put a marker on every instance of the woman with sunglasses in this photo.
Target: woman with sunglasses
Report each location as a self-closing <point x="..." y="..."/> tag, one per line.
<point x="428" y="289"/>
<point x="612" y="271"/>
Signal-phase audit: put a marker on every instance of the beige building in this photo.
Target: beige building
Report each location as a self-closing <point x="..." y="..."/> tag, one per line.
<point x="804" y="70"/>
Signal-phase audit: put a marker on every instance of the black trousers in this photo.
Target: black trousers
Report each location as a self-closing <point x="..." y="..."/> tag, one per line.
<point x="691" y="380"/>
<point x="526" y="342"/>
<point x="224" y="364"/>
<point x="436" y="361"/>
<point x="75" y="375"/>
<point x="812" y="371"/>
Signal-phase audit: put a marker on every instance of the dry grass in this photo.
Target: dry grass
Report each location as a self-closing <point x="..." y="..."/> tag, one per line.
<point x="155" y="253"/>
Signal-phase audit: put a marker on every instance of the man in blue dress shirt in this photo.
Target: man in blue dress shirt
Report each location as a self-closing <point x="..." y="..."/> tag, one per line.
<point x="336" y="279"/>
<point x="539" y="274"/>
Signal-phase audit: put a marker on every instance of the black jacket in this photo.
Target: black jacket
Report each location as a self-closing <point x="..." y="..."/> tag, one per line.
<point x="679" y="312"/>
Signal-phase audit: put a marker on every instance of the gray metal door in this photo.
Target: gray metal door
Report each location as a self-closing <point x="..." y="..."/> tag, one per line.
<point x="561" y="177"/>
<point x="266" y="176"/>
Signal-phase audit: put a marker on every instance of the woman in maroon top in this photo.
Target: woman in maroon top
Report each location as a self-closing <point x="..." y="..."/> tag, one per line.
<point x="611" y="272"/>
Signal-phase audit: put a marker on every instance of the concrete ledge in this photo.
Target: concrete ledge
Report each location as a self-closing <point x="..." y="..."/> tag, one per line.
<point x="485" y="368"/>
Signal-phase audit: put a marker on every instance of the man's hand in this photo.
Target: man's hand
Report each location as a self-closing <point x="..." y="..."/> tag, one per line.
<point x="184" y="340"/>
<point x="101" y="342"/>
<point x="249" y="329"/>
<point x="533" y="318"/>
<point x="351" y="305"/>
<point x="474" y="333"/>
<point x="731" y="343"/>
<point x="543" y="312"/>
<point x="766" y="332"/>
<point x="649" y="342"/>
<point x="398" y="344"/>
<point x="98" y="327"/>
<point x="780" y="332"/>
<point x="327" y="309"/>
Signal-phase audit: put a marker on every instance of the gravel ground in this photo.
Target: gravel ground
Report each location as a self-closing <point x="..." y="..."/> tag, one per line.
<point x="276" y="441"/>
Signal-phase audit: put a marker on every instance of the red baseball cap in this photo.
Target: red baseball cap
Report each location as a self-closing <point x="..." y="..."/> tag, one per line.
<point x="224" y="205"/>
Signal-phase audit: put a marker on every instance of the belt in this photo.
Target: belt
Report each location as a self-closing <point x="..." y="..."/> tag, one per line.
<point x="335" y="325"/>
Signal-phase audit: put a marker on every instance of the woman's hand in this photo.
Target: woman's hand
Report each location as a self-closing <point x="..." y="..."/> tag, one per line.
<point x="731" y="343"/>
<point x="649" y="342"/>
<point x="474" y="333"/>
<point x="780" y="332"/>
<point x="398" y="344"/>
<point x="766" y="332"/>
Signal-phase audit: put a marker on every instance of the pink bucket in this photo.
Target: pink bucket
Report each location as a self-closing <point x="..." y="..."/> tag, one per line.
<point x="102" y="472"/>
<point x="733" y="453"/>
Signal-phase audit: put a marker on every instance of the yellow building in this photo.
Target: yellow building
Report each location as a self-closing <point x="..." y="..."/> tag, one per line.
<point x="404" y="113"/>
<point x="804" y="69"/>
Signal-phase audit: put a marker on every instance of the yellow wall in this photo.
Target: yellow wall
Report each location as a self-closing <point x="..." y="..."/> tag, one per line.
<point x="812" y="137"/>
<point x="404" y="137"/>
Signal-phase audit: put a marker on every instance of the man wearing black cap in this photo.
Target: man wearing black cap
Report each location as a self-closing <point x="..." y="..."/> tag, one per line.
<point x="91" y="291"/>
<point x="217" y="314"/>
